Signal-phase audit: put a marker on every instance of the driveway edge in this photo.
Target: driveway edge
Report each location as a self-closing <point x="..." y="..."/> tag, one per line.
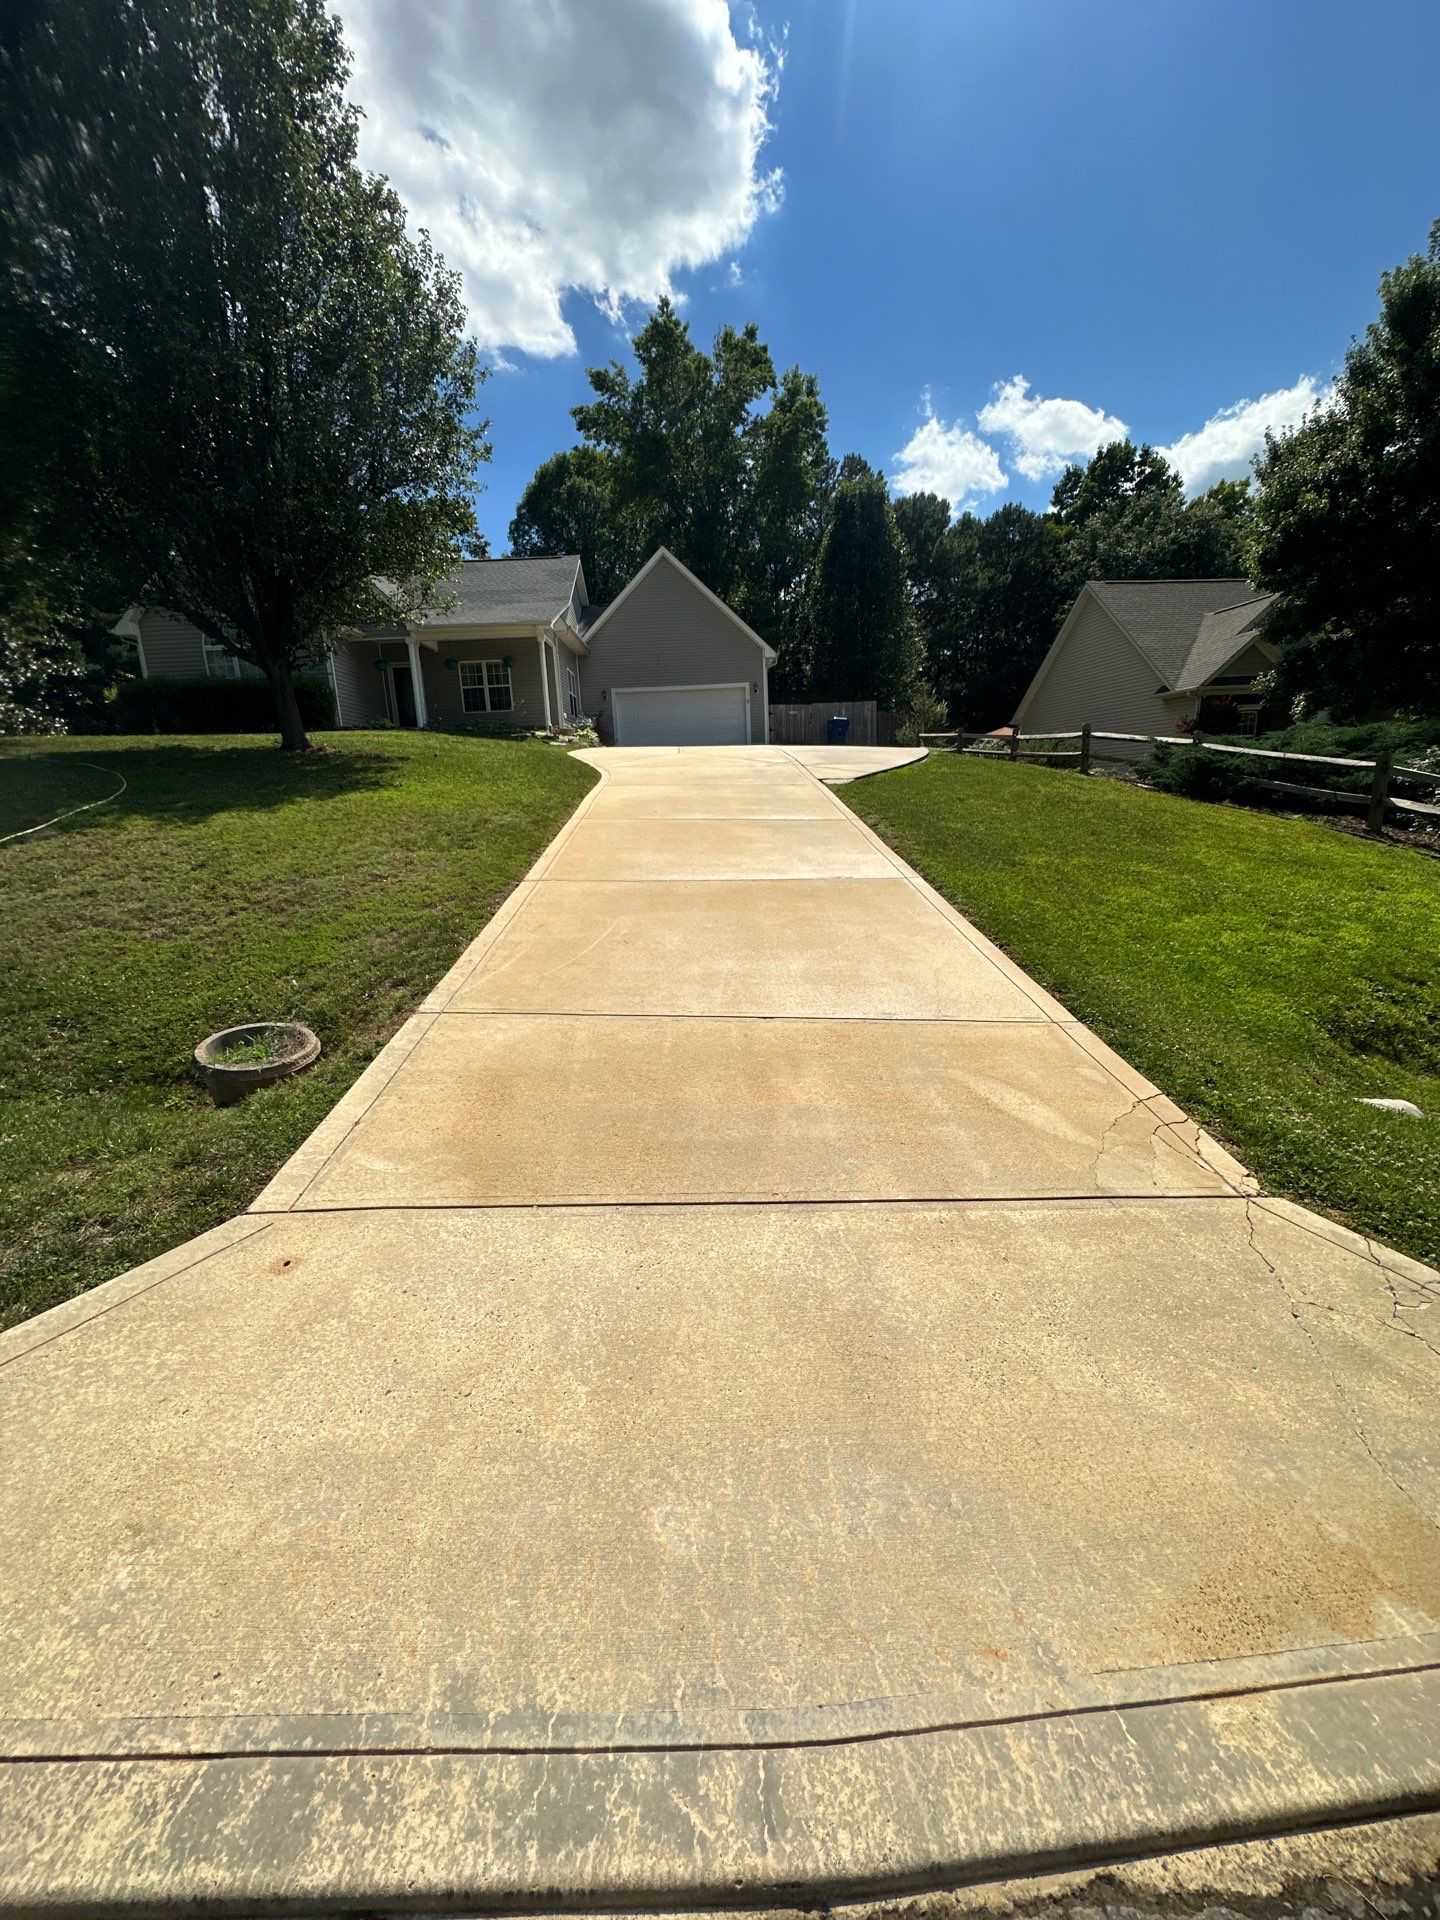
<point x="411" y="1833"/>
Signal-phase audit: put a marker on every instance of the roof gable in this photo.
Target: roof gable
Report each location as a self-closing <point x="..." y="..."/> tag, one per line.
<point x="1223" y="636"/>
<point x="663" y="556"/>
<point x="1085" y="597"/>
<point x="1164" y="617"/>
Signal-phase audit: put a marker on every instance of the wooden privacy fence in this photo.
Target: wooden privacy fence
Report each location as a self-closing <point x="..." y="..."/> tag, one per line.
<point x="1376" y="801"/>
<point x="808" y="724"/>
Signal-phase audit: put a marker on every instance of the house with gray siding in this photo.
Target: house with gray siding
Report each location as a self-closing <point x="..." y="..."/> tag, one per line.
<point x="1154" y="657"/>
<point x="515" y="643"/>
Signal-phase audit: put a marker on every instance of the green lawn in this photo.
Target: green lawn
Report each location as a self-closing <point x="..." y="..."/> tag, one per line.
<point x="1263" y="971"/>
<point x="227" y="883"/>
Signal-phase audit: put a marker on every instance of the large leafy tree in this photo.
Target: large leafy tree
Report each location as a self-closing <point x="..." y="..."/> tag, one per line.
<point x="267" y="381"/>
<point x="988" y="598"/>
<point x="1123" y="516"/>
<point x="708" y="454"/>
<point x="569" y="506"/>
<point x="1013" y="601"/>
<point x="862" y="634"/>
<point x="924" y="521"/>
<point x="675" y="432"/>
<point x="1347" y="524"/>
<point x="789" y="480"/>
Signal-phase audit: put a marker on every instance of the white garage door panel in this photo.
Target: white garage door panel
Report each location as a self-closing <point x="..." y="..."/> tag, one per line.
<point x="681" y="716"/>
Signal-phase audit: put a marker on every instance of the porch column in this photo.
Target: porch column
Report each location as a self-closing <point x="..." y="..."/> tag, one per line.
<point x="544" y="678"/>
<point x="562" y="712"/>
<point x="417" y="682"/>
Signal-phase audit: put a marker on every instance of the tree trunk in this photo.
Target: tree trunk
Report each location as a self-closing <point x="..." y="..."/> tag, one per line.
<point x="293" y="737"/>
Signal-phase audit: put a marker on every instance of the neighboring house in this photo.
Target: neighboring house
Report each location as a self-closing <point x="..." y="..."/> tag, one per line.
<point x="1154" y="657"/>
<point x="667" y="663"/>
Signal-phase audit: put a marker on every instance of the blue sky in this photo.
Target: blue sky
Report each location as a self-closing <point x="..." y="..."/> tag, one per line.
<point x="1152" y="212"/>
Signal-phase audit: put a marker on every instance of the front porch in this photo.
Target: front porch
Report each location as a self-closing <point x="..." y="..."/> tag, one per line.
<point x="500" y="682"/>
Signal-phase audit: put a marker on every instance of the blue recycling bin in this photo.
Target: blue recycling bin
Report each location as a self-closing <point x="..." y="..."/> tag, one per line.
<point x="839" y="727"/>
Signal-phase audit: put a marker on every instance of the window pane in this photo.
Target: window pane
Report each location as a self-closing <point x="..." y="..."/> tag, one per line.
<point x="497" y="675"/>
<point x="472" y="699"/>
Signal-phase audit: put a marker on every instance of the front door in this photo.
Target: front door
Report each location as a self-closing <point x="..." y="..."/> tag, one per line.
<point x="404" y="688"/>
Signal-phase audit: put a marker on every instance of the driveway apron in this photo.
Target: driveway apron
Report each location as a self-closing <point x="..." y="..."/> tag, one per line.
<point x="744" y="1399"/>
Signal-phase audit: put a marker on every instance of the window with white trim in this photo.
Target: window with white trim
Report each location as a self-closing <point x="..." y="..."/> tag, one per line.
<point x="485" y="687"/>
<point x="572" y="692"/>
<point x="220" y="663"/>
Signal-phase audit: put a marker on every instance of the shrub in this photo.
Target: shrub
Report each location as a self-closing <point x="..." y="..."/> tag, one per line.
<point x="1199" y="775"/>
<point x="212" y="706"/>
<point x="1404" y="738"/>
<point x="925" y="714"/>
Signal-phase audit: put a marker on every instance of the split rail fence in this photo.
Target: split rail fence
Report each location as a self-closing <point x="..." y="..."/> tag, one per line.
<point x="1376" y="802"/>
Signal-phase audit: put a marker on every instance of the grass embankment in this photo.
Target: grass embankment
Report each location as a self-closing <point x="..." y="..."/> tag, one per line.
<point x="228" y="883"/>
<point x="1265" y="972"/>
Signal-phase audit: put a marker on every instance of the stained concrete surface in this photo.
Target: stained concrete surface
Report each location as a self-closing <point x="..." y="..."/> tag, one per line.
<point x="739" y="1397"/>
<point x="802" y="949"/>
<point x="483" y="1112"/>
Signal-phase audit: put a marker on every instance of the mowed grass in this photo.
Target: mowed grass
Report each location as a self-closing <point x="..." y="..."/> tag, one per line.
<point x="227" y="883"/>
<point x="1265" y="972"/>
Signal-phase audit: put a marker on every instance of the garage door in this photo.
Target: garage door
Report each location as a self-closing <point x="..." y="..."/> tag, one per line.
<point x="681" y="716"/>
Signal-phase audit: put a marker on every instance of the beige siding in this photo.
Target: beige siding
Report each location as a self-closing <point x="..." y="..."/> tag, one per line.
<point x="175" y="650"/>
<point x="1098" y="677"/>
<point x="359" y="685"/>
<point x="668" y="634"/>
<point x="1249" y="664"/>
<point x="171" y="647"/>
<point x="442" y="683"/>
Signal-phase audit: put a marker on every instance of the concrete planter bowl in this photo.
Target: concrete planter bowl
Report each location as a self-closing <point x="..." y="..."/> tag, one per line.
<point x="231" y="1063"/>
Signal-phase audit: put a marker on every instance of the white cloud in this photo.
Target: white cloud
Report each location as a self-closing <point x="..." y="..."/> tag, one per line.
<point x="1229" y="440"/>
<point x="565" y="146"/>
<point x="949" y="460"/>
<point x="1045" y="435"/>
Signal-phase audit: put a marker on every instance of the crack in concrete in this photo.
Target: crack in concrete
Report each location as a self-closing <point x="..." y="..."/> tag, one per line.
<point x="1160" y="1126"/>
<point x="1341" y="1398"/>
<point x="1390" y="1281"/>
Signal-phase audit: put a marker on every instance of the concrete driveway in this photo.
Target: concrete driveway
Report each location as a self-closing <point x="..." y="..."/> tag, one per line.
<point x="745" y="1397"/>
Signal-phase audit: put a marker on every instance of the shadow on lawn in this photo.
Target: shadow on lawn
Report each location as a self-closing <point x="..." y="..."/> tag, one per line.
<point x="181" y="785"/>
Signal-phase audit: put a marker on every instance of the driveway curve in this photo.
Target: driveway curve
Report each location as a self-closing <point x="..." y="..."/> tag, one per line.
<point x="744" y="1399"/>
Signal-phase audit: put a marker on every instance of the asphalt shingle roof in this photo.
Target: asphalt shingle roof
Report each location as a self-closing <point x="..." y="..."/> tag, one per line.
<point x="504" y="593"/>
<point x="1187" y="629"/>
<point x="1222" y="635"/>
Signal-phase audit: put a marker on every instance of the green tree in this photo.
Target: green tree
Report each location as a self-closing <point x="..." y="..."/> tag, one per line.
<point x="675" y="432"/>
<point x="569" y="506"/>
<point x="931" y="557"/>
<point x="268" y="380"/>
<point x="709" y="455"/>
<point x="1116" y="476"/>
<point x="1347" y="524"/>
<point x="790" y="477"/>
<point x="862" y="634"/>
<point x="1124" y="517"/>
<point x="923" y="520"/>
<point x="1020" y="593"/>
